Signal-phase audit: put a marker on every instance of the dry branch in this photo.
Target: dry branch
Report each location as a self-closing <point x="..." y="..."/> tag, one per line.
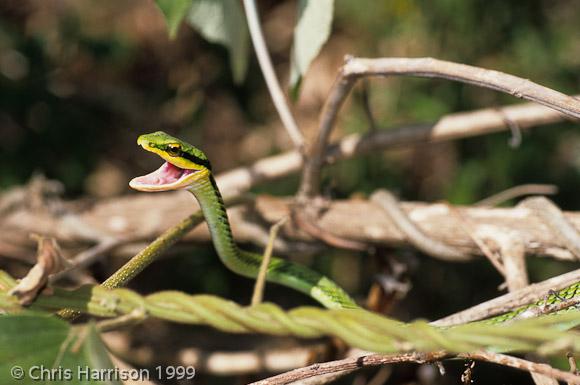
<point x="355" y="68"/>
<point x="370" y="360"/>
<point x="141" y="217"/>
<point x="449" y="127"/>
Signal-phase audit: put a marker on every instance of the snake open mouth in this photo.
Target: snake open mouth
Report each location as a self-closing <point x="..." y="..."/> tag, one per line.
<point x="166" y="177"/>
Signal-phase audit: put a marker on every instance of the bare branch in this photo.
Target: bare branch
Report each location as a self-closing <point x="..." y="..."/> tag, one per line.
<point x="449" y="127"/>
<point x="355" y="68"/>
<point x="354" y="220"/>
<point x="349" y="364"/>
<point x="270" y="76"/>
<point x="354" y="363"/>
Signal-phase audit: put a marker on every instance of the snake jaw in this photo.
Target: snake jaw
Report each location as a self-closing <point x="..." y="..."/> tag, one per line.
<point x="167" y="177"/>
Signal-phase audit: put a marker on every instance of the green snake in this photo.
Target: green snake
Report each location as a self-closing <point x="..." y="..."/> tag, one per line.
<point x="187" y="167"/>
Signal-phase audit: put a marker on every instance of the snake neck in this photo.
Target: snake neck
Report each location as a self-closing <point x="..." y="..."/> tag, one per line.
<point x="210" y="200"/>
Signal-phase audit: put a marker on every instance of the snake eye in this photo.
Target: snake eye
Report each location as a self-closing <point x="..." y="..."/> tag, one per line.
<point x="174" y="149"/>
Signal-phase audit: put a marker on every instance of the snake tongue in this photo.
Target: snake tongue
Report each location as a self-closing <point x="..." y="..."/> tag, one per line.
<point x="166" y="177"/>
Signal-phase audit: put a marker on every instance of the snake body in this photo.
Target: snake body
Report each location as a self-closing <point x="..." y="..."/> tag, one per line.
<point x="187" y="167"/>
<point x="248" y="264"/>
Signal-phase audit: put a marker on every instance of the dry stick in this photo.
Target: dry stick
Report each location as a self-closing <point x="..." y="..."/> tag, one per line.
<point x="355" y="363"/>
<point x="349" y="364"/>
<point x="87" y="257"/>
<point x="355" y="68"/>
<point x="269" y="75"/>
<point x="507" y="302"/>
<point x="414" y="235"/>
<point x="449" y="127"/>
<point x="315" y="159"/>
<point x="261" y="278"/>
<point x="518" y="191"/>
<point x="554" y="219"/>
<point x="349" y="219"/>
<point x="323" y="379"/>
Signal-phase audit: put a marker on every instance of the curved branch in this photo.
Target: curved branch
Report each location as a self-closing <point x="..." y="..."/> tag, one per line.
<point x="355" y="68"/>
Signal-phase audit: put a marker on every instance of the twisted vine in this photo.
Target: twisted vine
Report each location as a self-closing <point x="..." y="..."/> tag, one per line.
<point x="357" y="327"/>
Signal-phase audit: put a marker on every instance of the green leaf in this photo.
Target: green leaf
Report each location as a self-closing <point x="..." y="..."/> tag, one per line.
<point x="174" y="11"/>
<point x="223" y="22"/>
<point x="311" y="32"/>
<point x="50" y="351"/>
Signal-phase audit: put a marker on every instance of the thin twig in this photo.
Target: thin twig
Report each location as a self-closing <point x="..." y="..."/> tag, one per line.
<point x="355" y="68"/>
<point x="261" y="278"/>
<point x="518" y="191"/>
<point x="414" y="235"/>
<point x="349" y="364"/>
<point x="311" y="174"/>
<point x="355" y="363"/>
<point x="89" y="256"/>
<point x="270" y="76"/>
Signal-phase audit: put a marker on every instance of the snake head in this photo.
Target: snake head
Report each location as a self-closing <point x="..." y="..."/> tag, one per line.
<point x="184" y="164"/>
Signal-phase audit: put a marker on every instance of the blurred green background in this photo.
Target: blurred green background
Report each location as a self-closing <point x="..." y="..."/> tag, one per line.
<point x="80" y="80"/>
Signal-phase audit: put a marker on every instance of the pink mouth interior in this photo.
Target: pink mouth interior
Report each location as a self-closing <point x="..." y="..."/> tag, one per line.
<point x="164" y="175"/>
